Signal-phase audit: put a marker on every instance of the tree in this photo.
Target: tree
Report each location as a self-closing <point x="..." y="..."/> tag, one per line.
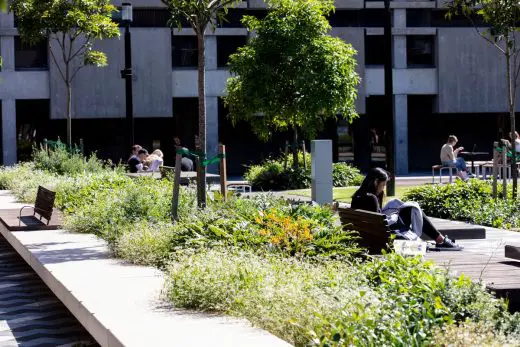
<point x="199" y="14"/>
<point x="74" y="25"/>
<point x="292" y="74"/>
<point x="501" y="18"/>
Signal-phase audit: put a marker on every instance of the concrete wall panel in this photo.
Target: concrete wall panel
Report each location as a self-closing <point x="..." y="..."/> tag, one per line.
<point x="24" y="85"/>
<point x="97" y="92"/>
<point x="471" y="73"/>
<point x="356" y="37"/>
<point x="152" y="64"/>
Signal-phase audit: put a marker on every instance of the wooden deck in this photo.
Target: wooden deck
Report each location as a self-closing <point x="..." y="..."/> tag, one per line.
<point x="11" y="220"/>
<point x="484" y="260"/>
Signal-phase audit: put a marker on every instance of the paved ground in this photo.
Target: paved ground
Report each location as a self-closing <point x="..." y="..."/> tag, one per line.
<point x="30" y="314"/>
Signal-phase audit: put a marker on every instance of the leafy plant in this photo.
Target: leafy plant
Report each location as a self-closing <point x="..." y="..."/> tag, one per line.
<point x="280" y="174"/>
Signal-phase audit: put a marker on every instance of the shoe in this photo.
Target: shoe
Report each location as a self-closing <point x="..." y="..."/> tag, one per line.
<point x="462" y="175"/>
<point x="448" y="245"/>
<point x="470" y="175"/>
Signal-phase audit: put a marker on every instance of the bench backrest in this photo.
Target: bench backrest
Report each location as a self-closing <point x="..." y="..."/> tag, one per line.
<point x="44" y="202"/>
<point x="372" y="227"/>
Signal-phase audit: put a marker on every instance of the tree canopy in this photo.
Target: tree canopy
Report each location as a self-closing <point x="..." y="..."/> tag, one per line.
<point x="292" y="73"/>
<point x="74" y="25"/>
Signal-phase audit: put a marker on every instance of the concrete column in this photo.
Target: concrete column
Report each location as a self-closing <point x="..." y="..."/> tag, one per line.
<point x="7" y="52"/>
<point x="9" y="132"/>
<point x="212" y="130"/>
<point x="401" y="134"/>
<point x="211" y="52"/>
<point x="321" y="171"/>
<point x="399" y="46"/>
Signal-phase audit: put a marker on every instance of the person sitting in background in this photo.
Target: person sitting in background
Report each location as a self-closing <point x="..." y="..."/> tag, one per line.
<point x="154" y="161"/>
<point x="402" y="217"/>
<point x="449" y="157"/>
<point x="133" y="161"/>
<point x="517" y="142"/>
<point x="141" y="156"/>
<point x="186" y="162"/>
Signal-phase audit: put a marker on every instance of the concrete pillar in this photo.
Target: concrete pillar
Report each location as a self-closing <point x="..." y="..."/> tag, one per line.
<point x="321" y="171"/>
<point x="212" y="130"/>
<point x="211" y="52"/>
<point x="399" y="46"/>
<point x="7" y="52"/>
<point x="400" y="110"/>
<point x="9" y="132"/>
<point x="401" y="134"/>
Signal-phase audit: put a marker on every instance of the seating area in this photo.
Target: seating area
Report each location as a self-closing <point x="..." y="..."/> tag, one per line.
<point x="375" y="233"/>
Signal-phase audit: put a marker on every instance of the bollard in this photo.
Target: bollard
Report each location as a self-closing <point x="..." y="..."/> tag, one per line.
<point x="321" y="171"/>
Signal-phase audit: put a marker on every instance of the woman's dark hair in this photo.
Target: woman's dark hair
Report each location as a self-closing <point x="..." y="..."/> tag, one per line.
<point x="369" y="183"/>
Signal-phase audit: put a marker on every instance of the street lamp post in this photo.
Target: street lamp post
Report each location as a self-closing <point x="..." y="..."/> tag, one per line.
<point x="389" y="101"/>
<point x="126" y="73"/>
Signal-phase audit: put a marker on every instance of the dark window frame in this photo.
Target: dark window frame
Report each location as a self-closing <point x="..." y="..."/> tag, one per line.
<point x="184" y="57"/>
<point x="30" y="57"/>
<point x="418" y="59"/>
<point x="223" y="53"/>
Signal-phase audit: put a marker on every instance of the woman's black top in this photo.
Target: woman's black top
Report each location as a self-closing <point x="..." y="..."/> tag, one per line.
<point x="367" y="202"/>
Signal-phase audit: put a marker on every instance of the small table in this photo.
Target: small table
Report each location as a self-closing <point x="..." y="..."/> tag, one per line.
<point x="472" y="156"/>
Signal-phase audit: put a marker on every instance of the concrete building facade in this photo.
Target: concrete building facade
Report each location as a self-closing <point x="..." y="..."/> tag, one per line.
<point x="446" y="80"/>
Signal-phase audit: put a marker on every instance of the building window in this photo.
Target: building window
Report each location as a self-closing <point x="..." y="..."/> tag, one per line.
<point x="345" y="18"/>
<point x="374" y="18"/>
<point x="227" y="45"/>
<point x="418" y="18"/>
<point x="30" y="57"/>
<point x="184" y="51"/>
<point x="151" y="18"/>
<point x="374" y="50"/>
<point x="420" y="51"/>
<point x="233" y="19"/>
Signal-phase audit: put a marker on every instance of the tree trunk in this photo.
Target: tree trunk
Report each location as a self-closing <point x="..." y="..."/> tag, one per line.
<point x="511" y="99"/>
<point x="201" y="198"/>
<point x="69" y="114"/>
<point x="296" y="164"/>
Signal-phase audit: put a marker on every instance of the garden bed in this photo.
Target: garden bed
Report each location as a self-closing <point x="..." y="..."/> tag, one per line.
<point x="287" y="269"/>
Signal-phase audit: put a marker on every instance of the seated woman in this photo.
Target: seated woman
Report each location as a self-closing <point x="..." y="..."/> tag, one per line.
<point x="155" y="160"/>
<point x="369" y="197"/>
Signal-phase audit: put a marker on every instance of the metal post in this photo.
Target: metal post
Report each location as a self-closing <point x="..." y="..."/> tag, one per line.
<point x="223" y="172"/>
<point x="127" y="75"/>
<point x="389" y="102"/>
<point x="495" y="169"/>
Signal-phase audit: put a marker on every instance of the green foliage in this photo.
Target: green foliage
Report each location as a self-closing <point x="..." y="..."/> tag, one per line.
<point x="472" y="334"/>
<point x="275" y="174"/>
<point x="198" y="14"/>
<point x="344" y="175"/>
<point x="61" y="161"/>
<point x="292" y="74"/>
<point x="288" y="269"/>
<point x="391" y="301"/>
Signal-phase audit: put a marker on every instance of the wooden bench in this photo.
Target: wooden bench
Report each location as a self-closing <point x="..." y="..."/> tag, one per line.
<point x="512" y="252"/>
<point x="43" y="206"/>
<point x="373" y="229"/>
<point x="375" y="233"/>
<point x="14" y="220"/>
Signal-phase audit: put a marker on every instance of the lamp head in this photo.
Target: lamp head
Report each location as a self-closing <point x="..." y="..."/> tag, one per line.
<point x="126" y="12"/>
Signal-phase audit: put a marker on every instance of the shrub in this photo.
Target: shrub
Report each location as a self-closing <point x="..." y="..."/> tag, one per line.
<point x="344" y="175"/>
<point x="271" y="175"/>
<point x="61" y="161"/>
<point x="388" y="301"/>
